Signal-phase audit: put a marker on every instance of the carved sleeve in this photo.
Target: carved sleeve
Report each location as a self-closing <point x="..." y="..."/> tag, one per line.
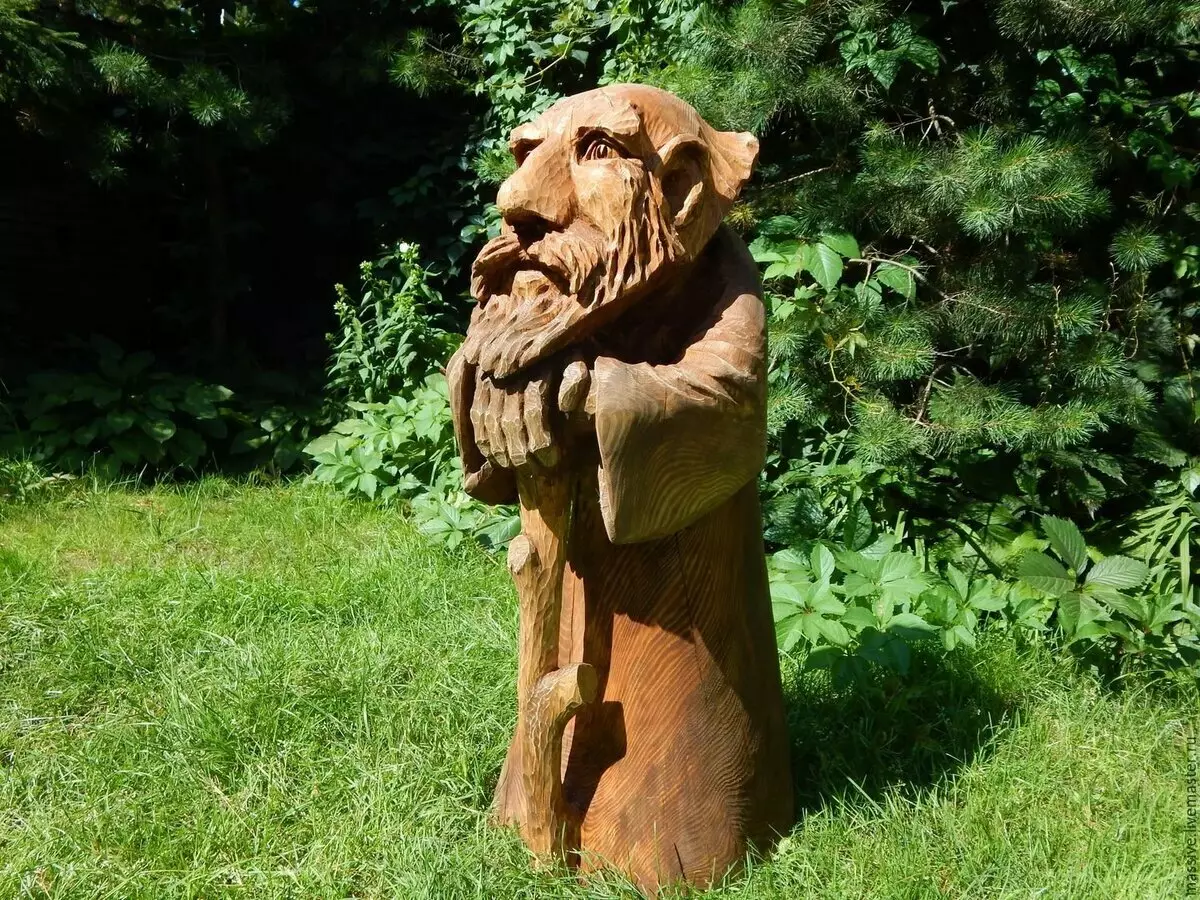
<point x="677" y="441"/>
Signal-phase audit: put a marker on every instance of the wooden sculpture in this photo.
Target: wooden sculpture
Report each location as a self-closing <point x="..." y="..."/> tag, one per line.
<point x="613" y="382"/>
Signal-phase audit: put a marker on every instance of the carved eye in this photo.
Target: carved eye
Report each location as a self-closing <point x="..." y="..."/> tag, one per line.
<point x="599" y="146"/>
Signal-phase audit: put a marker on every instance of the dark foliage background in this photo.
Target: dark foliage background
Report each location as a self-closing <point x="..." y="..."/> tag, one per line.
<point x="977" y="224"/>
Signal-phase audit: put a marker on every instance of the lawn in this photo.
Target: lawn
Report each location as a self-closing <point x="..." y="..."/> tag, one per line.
<point x="249" y="691"/>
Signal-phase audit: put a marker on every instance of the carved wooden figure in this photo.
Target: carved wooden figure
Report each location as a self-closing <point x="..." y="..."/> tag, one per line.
<point x="613" y="382"/>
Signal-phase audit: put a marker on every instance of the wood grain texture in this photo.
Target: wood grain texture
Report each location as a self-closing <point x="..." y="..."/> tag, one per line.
<point x="650" y="730"/>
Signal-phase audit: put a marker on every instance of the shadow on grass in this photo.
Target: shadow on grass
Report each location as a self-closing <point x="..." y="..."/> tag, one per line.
<point x="850" y="745"/>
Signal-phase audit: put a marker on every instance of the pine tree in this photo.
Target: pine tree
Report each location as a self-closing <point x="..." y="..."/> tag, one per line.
<point x="977" y="223"/>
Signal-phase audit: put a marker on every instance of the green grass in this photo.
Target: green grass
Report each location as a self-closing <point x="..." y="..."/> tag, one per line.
<point x="268" y="692"/>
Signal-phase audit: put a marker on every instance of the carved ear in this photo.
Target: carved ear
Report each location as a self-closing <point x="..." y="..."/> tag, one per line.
<point x="684" y="173"/>
<point x="733" y="154"/>
<point x="701" y="177"/>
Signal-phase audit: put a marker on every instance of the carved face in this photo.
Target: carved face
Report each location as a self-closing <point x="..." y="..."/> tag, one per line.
<point x="614" y="189"/>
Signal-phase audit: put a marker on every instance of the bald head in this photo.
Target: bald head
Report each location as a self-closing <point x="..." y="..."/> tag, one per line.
<point x="638" y="123"/>
<point x="613" y="188"/>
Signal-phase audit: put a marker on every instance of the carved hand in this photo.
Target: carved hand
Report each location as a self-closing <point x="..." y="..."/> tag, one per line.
<point x="520" y="423"/>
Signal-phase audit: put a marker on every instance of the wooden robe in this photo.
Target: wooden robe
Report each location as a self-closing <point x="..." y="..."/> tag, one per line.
<point x="681" y="764"/>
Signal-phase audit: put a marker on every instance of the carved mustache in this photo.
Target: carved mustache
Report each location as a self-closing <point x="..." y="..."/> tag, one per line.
<point x="569" y="258"/>
<point x="539" y="298"/>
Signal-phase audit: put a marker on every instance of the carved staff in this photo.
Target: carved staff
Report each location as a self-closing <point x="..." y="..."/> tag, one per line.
<point x="530" y="793"/>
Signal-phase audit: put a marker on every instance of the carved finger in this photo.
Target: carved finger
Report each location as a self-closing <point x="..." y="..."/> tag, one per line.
<point x="507" y="332"/>
<point x="479" y="407"/>
<point x="513" y="423"/>
<point x="537" y="422"/>
<point x="573" y="390"/>
<point x="491" y="420"/>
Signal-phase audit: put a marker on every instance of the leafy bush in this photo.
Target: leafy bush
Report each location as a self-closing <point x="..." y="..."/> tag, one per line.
<point x="869" y="601"/>
<point x="860" y="608"/>
<point x="273" y="420"/>
<point x="404" y="450"/>
<point x="121" y="413"/>
<point x="401" y="448"/>
<point x="389" y="337"/>
<point x="1116" y="611"/>
<point x="389" y="450"/>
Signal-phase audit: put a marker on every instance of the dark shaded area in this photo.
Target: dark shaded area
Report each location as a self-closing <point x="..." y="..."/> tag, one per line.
<point x="78" y="258"/>
<point x="215" y="250"/>
<point x="890" y="732"/>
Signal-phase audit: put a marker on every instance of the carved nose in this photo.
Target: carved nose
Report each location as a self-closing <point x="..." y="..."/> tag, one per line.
<point x="534" y="200"/>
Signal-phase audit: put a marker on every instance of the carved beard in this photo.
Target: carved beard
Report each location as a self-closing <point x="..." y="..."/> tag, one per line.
<point x="535" y="301"/>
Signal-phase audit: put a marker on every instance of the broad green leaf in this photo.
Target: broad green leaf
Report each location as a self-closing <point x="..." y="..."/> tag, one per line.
<point x="883" y="64"/>
<point x="1090" y="611"/>
<point x="780" y="269"/>
<point x="857" y="585"/>
<point x="899" y="565"/>
<point x="910" y="625"/>
<point x="120" y="420"/>
<point x="958" y="581"/>
<point x="869" y="294"/>
<point x="922" y="52"/>
<point x="1119" y="572"/>
<point x="1128" y="606"/>
<point x="883" y="609"/>
<point x="824" y="264"/>
<point x="890" y="651"/>
<point x="859" y="617"/>
<point x="128" y="448"/>
<point x="1068" y="613"/>
<point x="822" y="658"/>
<point x="46" y="423"/>
<point x="326" y="443"/>
<point x="821" y="560"/>
<point x="1091" y="631"/>
<point x="853" y="562"/>
<point x="368" y="484"/>
<point x="187" y="447"/>
<point x="786" y="592"/>
<point x="1040" y="571"/>
<point x="160" y="428"/>
<point x="808" y="625"/>
<point x="1066" y="540"/>
<point x="899" y="280"/>
<point x="856" y="531"/>
<point x="940" y="604"/>
<point x="85" y="434"/>
<point x="902" y="589"/>
<point x="366" y="459"/>
<point x="986" y="599"/>
<point x="843" y="244"/>
<point x="826" y="604"/>
<point x="789" y="561"/>
<point x="1165" y="614"/>
<point x="833" y="631"/>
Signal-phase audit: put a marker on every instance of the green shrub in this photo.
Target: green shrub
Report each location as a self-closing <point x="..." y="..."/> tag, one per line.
<point x="121" y="413"/>
<point x="389" y="450"/>
<point x="392" y="335"/>
<point x="1115" y="611"/>
<point x="401" y="448"/>
<point x="857" y="607"/>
